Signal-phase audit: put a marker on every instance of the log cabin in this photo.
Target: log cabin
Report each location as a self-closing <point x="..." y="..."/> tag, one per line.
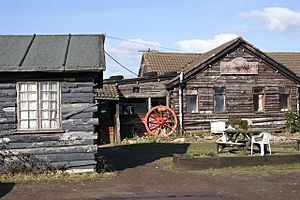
<point x="234" y="79"/>
<point x="47" y="106"/>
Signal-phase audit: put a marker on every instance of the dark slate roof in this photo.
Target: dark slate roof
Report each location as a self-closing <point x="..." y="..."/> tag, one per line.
<point x="165" y="62"/>
<point x="52" y="53"/>
<point x="108" y="92"/>
<point x="289" y="59"/>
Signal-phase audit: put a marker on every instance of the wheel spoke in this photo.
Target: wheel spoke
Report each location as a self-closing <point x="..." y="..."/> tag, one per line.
<point x="160" y="121"/>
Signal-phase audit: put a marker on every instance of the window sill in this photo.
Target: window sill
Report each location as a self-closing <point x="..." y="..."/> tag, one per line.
<point x="39" y="131"/>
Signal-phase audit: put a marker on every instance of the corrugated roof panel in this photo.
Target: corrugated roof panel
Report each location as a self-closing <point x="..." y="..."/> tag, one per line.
<point x="85" y="52"/>
<point x="12" y="49"/>
<point x="47" y="51"/>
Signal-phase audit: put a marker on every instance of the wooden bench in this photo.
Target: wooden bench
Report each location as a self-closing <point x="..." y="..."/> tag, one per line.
<point x="223" y="145"/>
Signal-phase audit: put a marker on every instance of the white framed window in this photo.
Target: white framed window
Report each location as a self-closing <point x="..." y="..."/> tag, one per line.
<point x="38" y="105"/>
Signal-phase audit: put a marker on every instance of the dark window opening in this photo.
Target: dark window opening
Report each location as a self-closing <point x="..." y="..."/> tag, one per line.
<point x="134" y="106"/>
<point x="158" y="101"/>
<point x="258" y="99"/>
<point x="284" y="99"/>
<point x="192" y="104"/>
<point x="219" y="103"/>
<point x="136" y="89"/>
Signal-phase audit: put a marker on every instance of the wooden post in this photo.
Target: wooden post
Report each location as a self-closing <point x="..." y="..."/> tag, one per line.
<point x="149" y="103"/>
<point x="117" y="124"/>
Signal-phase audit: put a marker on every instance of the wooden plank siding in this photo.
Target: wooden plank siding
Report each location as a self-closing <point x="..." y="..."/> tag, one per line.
<point x="238" y="94"/>
<point x="75" y="147"/>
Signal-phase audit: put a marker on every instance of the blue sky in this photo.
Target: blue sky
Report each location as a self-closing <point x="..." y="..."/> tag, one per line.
<point x="183" y="25"/>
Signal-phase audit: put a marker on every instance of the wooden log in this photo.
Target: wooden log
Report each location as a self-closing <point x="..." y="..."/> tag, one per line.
<point x="8" y="86"/>
<point x="76" y="164"/>
<point x="77" y="98"/>
<point x="55" y="150"/>
<point x="78" y="127"/>
<point x="60" y="143"/>
<point x="62" y="157"/>
<point x="78" y="135"/>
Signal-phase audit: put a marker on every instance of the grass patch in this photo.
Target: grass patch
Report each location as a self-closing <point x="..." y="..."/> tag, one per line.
<point x="33" y="179"/>
<point x="257" y="170"/>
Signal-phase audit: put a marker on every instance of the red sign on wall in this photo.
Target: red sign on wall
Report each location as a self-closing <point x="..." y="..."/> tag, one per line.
<point x="239" y="65"/>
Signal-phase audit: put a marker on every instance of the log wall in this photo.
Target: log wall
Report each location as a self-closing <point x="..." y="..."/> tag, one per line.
<point x="75" y="147"/>
<point x="239" y="95"/>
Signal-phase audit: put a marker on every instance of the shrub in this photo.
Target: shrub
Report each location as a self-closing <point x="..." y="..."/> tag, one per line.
<point x="23" y="163"/>
<point x="292" y="121"/>
<point x="238" y="123"/>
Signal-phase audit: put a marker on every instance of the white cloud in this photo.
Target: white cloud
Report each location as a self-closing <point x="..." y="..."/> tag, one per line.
<point x="277" y="18"/>
<point x="128" y="53"/>
<point x="201" y="45"/>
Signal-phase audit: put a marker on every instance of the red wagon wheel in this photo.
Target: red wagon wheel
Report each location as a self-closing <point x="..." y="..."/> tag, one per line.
<point x="160" y="121"/>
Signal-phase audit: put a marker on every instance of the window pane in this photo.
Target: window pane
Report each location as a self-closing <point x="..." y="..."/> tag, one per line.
<point x="53" y="105"/>
<point x="258" y="102"/>
<point x="219" y="103"/>
<point x="54" y="124"/>
<point x="53" y="96"/>
<point x="23" y="105"/>
<point x="32" y="96"/>
<point x="258" y="90"/>
<point x="23" y="96"/>
<point x="24" y="124"/>
<point x="283" y="102"/>
<point x="53" y="86"/>
<point x="44" y="86"/>
<point x="45" y="114"/>
<point x="53" y="115"/>
<point x="32" y="105"/>
<point x="45" y="95"/>
<point x="192" y="103"/>
<point x="32" y="115"/>
<point x="31" y="87"/>
<point x="219" y="90"/>
<point x="44" y="105"/>
<point x="45" y="124"/>
<point x="32" y="124"/>
<point x="22" y="87"/>
<point x="24" y="115"/>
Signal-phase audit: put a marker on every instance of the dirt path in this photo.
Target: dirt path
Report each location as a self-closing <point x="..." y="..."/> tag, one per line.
<point x="142" y="177"/>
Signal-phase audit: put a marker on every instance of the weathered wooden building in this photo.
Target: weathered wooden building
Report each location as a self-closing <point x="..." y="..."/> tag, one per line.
<point x="47" y="103"/>
<point x="234" y="79"/>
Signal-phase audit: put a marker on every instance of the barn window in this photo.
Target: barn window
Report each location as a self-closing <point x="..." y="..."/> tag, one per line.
<point x="219" y="103"/>
<point x="192" y="104"/>
<point x="136" y="89"/>
<point x="284" y="99"/>
<point x="258" y="99"/>
<point x="134" y="106"/>
<point x="38" y="106"/>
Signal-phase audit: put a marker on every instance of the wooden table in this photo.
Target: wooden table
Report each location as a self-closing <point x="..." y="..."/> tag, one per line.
<point x="233" y="138"/>
<point x="298" y="143"/>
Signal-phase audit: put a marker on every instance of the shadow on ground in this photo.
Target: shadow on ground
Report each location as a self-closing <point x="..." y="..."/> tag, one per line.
<point x="5" y="188"/>
<point x="128" y="156"/>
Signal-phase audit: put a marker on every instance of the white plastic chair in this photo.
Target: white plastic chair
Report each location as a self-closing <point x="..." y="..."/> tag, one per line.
<point x="265" y="139"/>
